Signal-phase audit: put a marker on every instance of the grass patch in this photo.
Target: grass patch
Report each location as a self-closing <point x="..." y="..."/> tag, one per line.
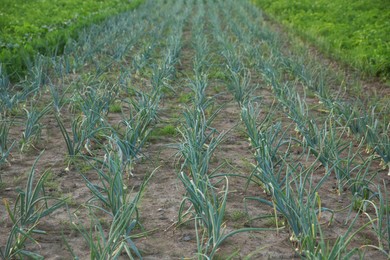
<point x="168" y="130"/>
<point x="115" y="107"/>
<point x="185" y="97"/>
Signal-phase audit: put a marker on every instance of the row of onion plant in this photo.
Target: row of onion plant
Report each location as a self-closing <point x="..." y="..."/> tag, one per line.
<point x="204" y="202"/>
<point x="91" y="135"/>
<point x="323" y="143"/>
<point x="113" y="195"/>
<point x="370" y="123"/>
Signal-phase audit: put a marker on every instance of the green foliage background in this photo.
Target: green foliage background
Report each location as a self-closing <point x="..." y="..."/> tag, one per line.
<point x="29" y="27"/>
<point x="355" y="31"/>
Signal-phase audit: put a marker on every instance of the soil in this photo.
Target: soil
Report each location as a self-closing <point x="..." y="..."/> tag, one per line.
<point x="161" y="200"/>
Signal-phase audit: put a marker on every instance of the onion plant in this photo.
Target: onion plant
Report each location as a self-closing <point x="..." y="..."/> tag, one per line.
<point x="113" y="191"/>
<point x="141" y="60"/>
<point x="240" y="86"/>
<point x="322" y="142"/>
<point x="58" y="92"/>
<point x="56" y="97"/>
<point x="61" y="65"/>
<point x="145" y="111"/>
<point x="5" y="148"/>
<point x="367" y="125"/>
<point x="157" y="77"/>
<point x="128" y="148"/>
<point x="233" y="61"/>
<point x="198" y="87"/>
<point x="95" y="104"/>
<point x="125" y="149"/>
<point x="4" y="79"/>
<point x="149" y="45"/>
<point x="79" y="136"/>
<point x="166" y="70"/>
<point x="37" y="72"/>
<point x="33" y="127"/>
<point x="118" y="240"/>
<point x="207" y="206"/>
<point x="198" y="145"/>
<point x="296" y="198"/>
<point x="340" y="249"/>
<point x="292" y="191"/>
<point x="378" y="138"/>
<point x="379" y="221"/>
<point x="209" y="211"/>
<point x="199" y="42"/>
<point x="119" y="202"/>
<point x="31" y="205"/>
<point x="137" y="125"/>
<point x="219" y="35"/>
<point x="14" y="247"/>
<point x="267" y="141"/>
<point x="10" y="98"/>
<point x="384" y="218"/>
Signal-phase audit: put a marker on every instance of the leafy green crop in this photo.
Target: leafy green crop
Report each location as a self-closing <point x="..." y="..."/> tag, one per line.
<point x="356" y="32"/>
<point x="44" y="26"/>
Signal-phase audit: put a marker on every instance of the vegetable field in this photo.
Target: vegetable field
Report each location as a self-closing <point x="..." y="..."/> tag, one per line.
<point x="192" y="129"/>
<point x="28" y="28"/>
<point x="355" y="32"/>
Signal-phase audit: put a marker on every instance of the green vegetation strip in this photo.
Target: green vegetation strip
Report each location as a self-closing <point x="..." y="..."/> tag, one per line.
<point x="356" y="32"/>
<point x="44" y="26"/>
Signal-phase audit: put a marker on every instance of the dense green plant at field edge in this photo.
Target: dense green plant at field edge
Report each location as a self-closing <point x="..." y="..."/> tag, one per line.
<point x="356" y="32"/>
<point x="31" y="27"/>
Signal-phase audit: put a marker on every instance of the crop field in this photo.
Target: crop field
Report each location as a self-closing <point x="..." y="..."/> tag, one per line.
<point x="355" y="32"/>
<point x="192" y="129"/>
<point x="43" y="26"/>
